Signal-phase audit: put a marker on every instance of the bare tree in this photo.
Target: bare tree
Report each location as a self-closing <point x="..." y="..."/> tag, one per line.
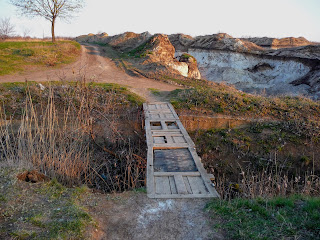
<point x="6" y="28"/>
<point x="49" y="9"/>
<point x="26" y="32"/>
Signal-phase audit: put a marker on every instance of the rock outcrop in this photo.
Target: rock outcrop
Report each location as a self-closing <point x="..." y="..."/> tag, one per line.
<point x="310" y="52"/>
<point x="220" y="41"/>
<point x="128" y="40"/>
<point x="159" y="51"/>
<point x="122" y="42"/>
<point x="193" y="71"/>
<point x="93" y="38"/>
<point x="180" y="41"/>
<point x="159" y="48"/>
<point x="276" y="43"/>
<point x="223" y="41"/>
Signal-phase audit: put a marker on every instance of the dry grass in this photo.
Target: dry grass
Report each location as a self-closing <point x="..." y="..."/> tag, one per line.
<point x="262" y="159"/>
<point x="76" y="133"/>
<point x="55" y="145"/>
<point x="16" y="56"/>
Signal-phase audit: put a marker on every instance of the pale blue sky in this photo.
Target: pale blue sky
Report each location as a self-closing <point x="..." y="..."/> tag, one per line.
<point x="272" y="18"/>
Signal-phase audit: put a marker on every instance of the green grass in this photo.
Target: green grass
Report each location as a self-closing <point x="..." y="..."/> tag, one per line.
<point x="13" y="95"/>
<point x="41" y="211"/>
<point x="140" y="51"/>
<point x="295" y="217"/>
<point x="17" y="56"/>
<point x="218" y="98"/>
<point x="154" y="91"/>
<point x="131" y="97"/>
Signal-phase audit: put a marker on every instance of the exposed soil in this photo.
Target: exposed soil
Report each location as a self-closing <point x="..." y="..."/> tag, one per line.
<point x="95" y="67"/>
<point x="32" y="176"/>
<point x="132" y="215"/>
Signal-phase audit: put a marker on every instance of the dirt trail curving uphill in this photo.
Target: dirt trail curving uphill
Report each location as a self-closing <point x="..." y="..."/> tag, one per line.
<point x="95" y="67"/>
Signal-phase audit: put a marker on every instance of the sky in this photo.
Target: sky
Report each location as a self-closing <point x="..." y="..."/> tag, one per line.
<point x="238" y="18"/>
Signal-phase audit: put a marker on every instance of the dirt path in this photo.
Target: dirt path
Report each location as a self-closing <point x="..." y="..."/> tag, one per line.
<point x="95" y="67"/>
<point x="133" y="216"/>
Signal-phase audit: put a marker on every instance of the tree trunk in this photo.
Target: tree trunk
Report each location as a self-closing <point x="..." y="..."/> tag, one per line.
<point x="52" y="30"/>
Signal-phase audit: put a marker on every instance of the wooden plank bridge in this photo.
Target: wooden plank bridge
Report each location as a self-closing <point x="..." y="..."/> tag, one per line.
<point x="174" y="169"/>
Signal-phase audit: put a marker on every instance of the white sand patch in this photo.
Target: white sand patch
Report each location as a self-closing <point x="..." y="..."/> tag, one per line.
<point x="153" y="212"/>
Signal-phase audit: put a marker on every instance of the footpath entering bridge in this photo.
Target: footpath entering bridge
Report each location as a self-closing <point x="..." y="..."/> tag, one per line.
<point x="174" y="169"/>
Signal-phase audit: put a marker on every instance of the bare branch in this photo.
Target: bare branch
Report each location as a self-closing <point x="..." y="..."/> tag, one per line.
<point x="49" y="9"/>
<point x="6" y="28"/>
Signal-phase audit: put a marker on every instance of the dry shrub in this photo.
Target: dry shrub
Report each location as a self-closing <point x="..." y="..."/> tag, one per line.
<point x="264" y="159"/>
<point x="55" y="145"/>
<point x="268" y="183"/>
<point x="78" y="133"/>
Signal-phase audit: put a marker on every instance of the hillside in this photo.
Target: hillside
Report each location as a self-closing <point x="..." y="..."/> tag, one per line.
<point x="86" y="129"/>
<point x="21" y="56"/>
<point x="291" y="67"/>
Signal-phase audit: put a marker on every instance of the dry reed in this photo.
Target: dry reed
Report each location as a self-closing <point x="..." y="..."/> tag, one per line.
<point x="78" y="134"/>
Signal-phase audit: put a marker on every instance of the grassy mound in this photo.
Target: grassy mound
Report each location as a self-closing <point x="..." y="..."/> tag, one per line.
<point x="211" y="98"/>
<point x="17" y="56"/>
<point x="41" y="210"/>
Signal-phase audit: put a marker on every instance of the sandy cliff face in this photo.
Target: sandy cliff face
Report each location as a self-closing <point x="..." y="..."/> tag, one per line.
<point x="252" y="68"/>
<point x="251" y="73"/>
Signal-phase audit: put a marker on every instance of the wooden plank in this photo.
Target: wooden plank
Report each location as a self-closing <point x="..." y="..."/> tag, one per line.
<point x="185" y="134"/>
<point x="162" y="185"/>
<point x="166" y="133"/>
<point x="174" y="196"/>
<point x="152" y="107"/>
<point x="197" y="185"/>
<point x="174" y="170"/>
<point x="169" y="139"/>
<point x="173" y="111"/>
<point x="159" y="140"/>
<point x="170" y="146"/>
<point x="195" y="174"/>
<point x="150" y="177"/>
<point x="155" y="125"/>
<point x="173" y="160"/>
<point x="202" y="171"/>
<point x="163" y="125"/>
<point x="181" y="187"/>
<point x="187" y="184"/>
<point x="179" y="139"/>
<point x="169" y="115"/>
<point x="172" y="185"/>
